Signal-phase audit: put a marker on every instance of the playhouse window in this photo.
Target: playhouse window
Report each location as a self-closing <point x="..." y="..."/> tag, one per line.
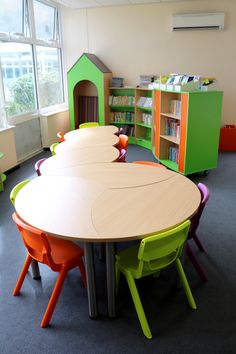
<point x="31" y="76"/>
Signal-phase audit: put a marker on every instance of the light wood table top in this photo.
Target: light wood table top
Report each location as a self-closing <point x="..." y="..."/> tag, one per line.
<point x="112" y="175"/>
<point x="101" y="130"/>
<point x="85" y="141"/>
<point x="90" y="211"/>
<point x="100" y="154"/>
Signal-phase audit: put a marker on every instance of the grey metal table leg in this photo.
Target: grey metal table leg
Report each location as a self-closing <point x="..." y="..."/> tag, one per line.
<point x="111" y="279"/>
<point x="35" y="269"/>
<point x="90" y="276"/>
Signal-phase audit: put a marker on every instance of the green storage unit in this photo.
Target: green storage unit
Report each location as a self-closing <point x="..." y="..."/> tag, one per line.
<point x="199" y="120"/>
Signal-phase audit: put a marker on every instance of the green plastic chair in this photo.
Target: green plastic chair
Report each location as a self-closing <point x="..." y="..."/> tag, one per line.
<point x="152" y="254"/>
<point x="2" y="176"/>
<point x="88" y="125"/>
<point x="52" y="148"/>
<point x="15" y="190"/>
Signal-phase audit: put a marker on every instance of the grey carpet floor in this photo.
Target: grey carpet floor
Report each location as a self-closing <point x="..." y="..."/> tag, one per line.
<point x="175" y="327"/>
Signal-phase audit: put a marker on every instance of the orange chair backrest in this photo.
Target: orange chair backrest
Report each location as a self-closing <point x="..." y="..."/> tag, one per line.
<point x="123" y="142"/>
<point x="35" y="242"/>
<point x="150" y="163"/>
<point x="61" y="136"/>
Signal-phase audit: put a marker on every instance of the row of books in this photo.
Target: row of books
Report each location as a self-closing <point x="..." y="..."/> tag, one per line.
<point x="121" y="101"/>
<point x="145" y="102"/>
<point x="175" y="107"/>
<point x="172" y="128"/>
<point x="147" y="118"/>
<point x="122" y="117"/>
<point x="174" y="154"/>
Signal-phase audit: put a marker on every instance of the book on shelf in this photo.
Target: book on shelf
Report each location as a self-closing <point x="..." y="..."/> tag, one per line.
<point x="121" y="100"/>
<point x="174" y="154"/>
<point x="147" y="118"/>
<point x="175" y="107"/>
<point x="145" y="102"/>
<point x="117" y="82"/>
<point x="172" y="128"/>
<point x="119" y="117"/>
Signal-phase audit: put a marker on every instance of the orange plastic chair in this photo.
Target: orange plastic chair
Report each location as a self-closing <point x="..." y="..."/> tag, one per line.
<point x="60" y="255"/>
<point x="156" y="164"/>
<point x="60" y="135"/>
<point x="123" y="142"/>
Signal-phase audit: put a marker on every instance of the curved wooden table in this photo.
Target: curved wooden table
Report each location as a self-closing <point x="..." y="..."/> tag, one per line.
<point x="85" y="141"/>
<point x="91" y="155"/>
<point x="101" y="130"/>
<point x="93" y="211"/>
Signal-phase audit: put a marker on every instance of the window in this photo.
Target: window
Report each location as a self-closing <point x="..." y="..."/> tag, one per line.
<point x="30" y="57"/>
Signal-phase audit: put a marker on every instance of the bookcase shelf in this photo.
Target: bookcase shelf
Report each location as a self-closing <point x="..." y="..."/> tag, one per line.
<point x="171" y="115"/>
<point x="170" y="138"/>
<point x="144" y="125"/>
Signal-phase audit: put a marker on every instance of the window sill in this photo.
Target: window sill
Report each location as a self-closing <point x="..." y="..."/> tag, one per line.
<point x="2" y="130"/>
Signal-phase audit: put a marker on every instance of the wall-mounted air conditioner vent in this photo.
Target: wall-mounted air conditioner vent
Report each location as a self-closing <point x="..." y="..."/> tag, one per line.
<point x="198" y="21"/>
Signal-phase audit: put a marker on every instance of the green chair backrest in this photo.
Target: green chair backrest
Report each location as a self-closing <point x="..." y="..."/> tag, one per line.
<point x="16" y="189"/>
<point x="88" y="125"/>
<point x="158" y="251"/>
<point x="52" y="148"/>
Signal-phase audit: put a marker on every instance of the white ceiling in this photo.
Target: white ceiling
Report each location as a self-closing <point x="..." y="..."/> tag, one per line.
<point x="81" y="4"/>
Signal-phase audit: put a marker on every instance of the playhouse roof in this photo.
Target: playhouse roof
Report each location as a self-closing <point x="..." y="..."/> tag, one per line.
<point x="97" y="62"/>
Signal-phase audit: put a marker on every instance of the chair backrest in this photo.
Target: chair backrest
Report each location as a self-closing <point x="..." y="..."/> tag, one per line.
<point x="122" y="157"/>
<point x="150" y="163"/>
<point x="123" y="142"/>
<point x="52" y="148"/>
<point x="205" y="194"/>
<point x="16" y="189"/>
<point x="88" y="125"/>
<point x="37" y="166"/>
<point x="60" y="135"/>
<point x="35" y="242"/>
<point x="159" y="251"/>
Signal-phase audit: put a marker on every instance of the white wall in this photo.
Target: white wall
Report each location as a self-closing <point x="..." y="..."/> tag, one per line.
<point x="137" y="39"/>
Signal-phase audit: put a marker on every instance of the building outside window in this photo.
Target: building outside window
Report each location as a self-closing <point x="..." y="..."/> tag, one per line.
<point x="30" y="57"/>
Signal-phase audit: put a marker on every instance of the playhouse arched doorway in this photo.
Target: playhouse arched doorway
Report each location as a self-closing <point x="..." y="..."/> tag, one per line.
<point x="85" y="102"/>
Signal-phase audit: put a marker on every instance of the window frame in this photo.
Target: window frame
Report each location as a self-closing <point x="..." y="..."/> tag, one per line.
<point x="28" y="6"/>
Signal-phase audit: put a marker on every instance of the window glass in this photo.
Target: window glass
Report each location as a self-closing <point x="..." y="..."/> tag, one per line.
<point x="44" y="21"/>
<point x="11" y="16"/>
<point x="49" y="76"/>
<point x="18" y="80"/>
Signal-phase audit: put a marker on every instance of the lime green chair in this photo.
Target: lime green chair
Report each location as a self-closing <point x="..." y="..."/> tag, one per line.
<point x="15" y="190"/>
<point x="88" y="125"/>
<point x="152" y="254"/>
<point x="2" y="176"/>
<point x="52" y="148"/>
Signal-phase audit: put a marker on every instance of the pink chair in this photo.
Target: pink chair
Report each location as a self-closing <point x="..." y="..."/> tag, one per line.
<point x="37" y="166"/>
<point x="122" y="157"/>
<point x="193" y="228"/>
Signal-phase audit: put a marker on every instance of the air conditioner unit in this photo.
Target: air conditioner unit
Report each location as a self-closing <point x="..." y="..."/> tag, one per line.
<point x="198" y="21"/>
